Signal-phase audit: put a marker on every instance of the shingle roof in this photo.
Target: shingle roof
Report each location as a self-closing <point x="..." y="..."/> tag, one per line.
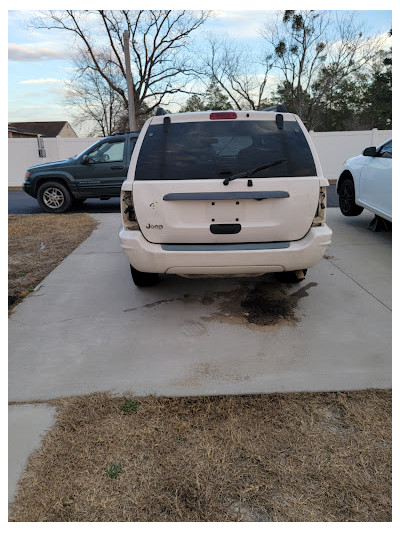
<point x="47" y="129"/>
<point x="19" y="130"/>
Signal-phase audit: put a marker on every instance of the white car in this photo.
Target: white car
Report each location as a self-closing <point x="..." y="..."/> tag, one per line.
<point x="224" y="193"/>
<point x="366" y="182"/>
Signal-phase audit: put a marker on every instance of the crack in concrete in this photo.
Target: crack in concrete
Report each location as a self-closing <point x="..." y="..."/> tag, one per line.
<point x="65" y="320"/>
<point x="53" y="322"/>
<point x="98" y="253"/>
<point x="361" y="287"/>
<point x="184" y="299"/>
<point x="17" y="321"/>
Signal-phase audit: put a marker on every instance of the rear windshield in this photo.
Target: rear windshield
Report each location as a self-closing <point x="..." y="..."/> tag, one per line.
<point x="216" y="149"/>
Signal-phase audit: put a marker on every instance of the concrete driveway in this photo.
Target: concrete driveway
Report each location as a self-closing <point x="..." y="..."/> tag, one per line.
<point x="88" y="328"/>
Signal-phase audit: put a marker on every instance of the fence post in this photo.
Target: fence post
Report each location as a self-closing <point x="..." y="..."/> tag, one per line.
<point x="58" y="138"/>
<point x="373" y="136"/>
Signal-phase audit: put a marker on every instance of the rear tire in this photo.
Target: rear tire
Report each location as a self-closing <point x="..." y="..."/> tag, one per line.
<point x="144" y="279"/>
<point x="347" y="199"/>
<point x="54" y="197"/>
<point x="294" y="276"/>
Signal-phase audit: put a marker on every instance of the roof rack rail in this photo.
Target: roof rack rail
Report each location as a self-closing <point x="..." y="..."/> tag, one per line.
<point x="280" y="108"/>
<point x="123" y="132"/>
<point x="160" y="111"/>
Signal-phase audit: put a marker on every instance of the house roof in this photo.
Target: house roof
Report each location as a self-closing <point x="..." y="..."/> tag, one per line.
<point x="47" y="129"/>
<point x="20" y="130"/>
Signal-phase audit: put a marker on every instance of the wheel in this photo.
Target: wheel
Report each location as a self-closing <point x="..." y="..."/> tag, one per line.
<point x="54" y="197"/>
<point x="347" y="197"/>
<point x="294" y="276"/>
<point x="143" y="279"/>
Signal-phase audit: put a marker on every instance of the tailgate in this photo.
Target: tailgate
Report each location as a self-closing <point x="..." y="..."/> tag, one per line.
<point x="271" y="188"/>
<point x="273" y="209"/>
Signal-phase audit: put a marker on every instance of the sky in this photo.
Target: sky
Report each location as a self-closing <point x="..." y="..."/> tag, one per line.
<point x="39" y="60"/>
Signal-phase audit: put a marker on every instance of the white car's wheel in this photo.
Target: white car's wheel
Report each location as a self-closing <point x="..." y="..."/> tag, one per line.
<point x="347" y="199"/>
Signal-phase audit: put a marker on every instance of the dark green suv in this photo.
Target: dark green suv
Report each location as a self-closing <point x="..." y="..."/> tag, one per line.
<point x="98" y="172"/>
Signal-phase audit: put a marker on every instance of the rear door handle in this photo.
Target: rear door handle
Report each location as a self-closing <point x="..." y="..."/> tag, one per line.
<point x="117" y="167"/>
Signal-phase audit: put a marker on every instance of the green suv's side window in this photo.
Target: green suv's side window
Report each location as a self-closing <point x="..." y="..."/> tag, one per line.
<point x="108" y="152"/>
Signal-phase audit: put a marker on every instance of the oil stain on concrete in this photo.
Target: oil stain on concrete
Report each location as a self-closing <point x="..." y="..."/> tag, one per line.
<point x="256" y="305"/>
<point x="262" y="305"/>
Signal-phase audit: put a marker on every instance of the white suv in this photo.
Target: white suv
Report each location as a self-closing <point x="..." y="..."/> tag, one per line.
<point x="224" y="193"/>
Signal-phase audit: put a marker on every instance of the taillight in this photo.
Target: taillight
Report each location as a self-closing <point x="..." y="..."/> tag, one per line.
<point x="320" y="214"/>
<point x="128" y="211"/>
<point x="220" y="115"/>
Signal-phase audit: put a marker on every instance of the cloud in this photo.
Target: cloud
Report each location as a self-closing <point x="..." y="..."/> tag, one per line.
<point x="17" y="52"/>
<point x="40" y="81"/>
<point x="382" y="41"/>
<point x="241" y="24"/>
<point x="18" y="17"/>
<point x="52" y="106"/>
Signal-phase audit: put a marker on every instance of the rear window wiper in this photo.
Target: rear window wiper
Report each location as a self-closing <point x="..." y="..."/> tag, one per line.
<point x="249" y="173"/>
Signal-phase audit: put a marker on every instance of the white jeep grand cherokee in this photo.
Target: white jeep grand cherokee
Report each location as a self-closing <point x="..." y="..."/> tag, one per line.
<point x="224" y="193"/>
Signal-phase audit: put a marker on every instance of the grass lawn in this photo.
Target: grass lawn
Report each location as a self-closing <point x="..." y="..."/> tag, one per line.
<point x="279" y="457"/>
<point x="37" y="244"/>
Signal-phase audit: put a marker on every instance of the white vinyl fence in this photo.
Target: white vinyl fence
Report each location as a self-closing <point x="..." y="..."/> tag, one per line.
<point x="333" y="148"/>
<point x="24" y="153"/>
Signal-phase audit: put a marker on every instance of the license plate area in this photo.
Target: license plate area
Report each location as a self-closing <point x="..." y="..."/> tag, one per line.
<point x="225" y="212"/>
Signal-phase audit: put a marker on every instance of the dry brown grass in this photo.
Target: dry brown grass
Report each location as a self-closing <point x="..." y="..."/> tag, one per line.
<point x="280" y="457"/>
<point x="37" y="244"/>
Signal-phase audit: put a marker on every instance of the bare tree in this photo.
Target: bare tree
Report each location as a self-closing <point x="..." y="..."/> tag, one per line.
<point x="160" y="42"/>
<point x="298" y="41"/>
<point x="94" y="105"/>
<point x="349" y="53"/>
<point x="315" y="50"/>
<point x="235" y="70"/>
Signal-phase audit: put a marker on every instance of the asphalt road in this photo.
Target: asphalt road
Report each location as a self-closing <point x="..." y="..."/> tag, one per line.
<point x="20" y="203"/>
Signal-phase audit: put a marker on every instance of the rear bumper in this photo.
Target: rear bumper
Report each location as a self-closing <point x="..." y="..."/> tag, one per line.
<point x="219" y="259"/>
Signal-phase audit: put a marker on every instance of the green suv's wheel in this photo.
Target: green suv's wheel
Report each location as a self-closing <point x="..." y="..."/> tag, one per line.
<point x="294" y="276"/>
<point x="143" y="279"/>
<point x="54" y="197"/>
<point x="347" y="199"/>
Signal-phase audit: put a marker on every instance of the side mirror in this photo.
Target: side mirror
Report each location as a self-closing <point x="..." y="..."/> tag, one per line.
<point x="370" y="152"/>
<point x="85" y="160"/>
